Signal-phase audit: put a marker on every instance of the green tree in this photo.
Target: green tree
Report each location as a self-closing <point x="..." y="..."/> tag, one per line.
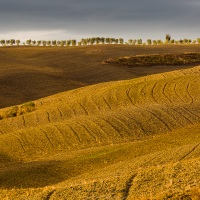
<point x="194" y="42"/>
<point x="33" y="42"/>
<point x="139" y="41"/>
<point x="167" y="38"/>
<point x="48" y="43"/>
<point x="28" y="42"/>
<point x="54" y="42"/>
<point x="149" y="42"/>
<point x="154" y="42"/>
<point x="73" y="42"/>
<point x="3" y="42"/>
<point x="103" y="40"/>
<point x="7" y="42"/>
<point x="44" y="43"/>
<point x="69" y="42"/>
<point x="121" y="40"/>
<point x="12" y="42"/>
<point x="58" y="43"/>
<point x="39" y="42"/>
<point x="198" y="40"/>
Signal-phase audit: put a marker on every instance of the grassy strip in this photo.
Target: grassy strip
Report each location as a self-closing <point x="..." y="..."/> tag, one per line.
<point x="156" y="59"/>
<point x="18" y="110"/>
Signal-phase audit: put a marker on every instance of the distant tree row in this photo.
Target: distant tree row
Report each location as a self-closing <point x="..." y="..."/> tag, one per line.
<point x="98" y="40"/>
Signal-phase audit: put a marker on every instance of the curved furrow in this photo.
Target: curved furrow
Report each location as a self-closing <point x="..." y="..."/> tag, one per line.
<point x="61" y="133"/>
<point x="137" y="122"/>
<point x="193" y="149"/>
<point x="20" y="142"/>
<point x="97" y="126"/>
<point x="163" y="91"/>
<point x="74" y="132"/>
<point x="88" y="131"/>
<point x="152" y="91"/>
<point x="160" y="119"/>
<point x="96" y="105"/>
<point x="187" y="89"/>
<point x="122" y="124"/>
<point x="60" y="112"/>
<point x="182" y="115"/>
<point x="24" y="122"/>
<point x="139" y="93"/>
<point x="48" y="139"/>
<point x="175" y="85"/>
<point x="48" y="116"/>
<point x="189" y="111"/>
<point x="128" y="95"/>
<point x="164" y="76"/>
<point x="104" y="99"/>
<point x="110" y="125"/>
<point x="86" y="112"/>
<point x="166" y="110"/>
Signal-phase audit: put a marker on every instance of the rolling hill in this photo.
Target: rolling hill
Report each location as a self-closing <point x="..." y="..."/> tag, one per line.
<point x="128" y="139"/>
<point x="30" y="73"/>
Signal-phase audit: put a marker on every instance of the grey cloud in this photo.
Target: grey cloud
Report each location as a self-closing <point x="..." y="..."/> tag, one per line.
<point x="91" y="16"/>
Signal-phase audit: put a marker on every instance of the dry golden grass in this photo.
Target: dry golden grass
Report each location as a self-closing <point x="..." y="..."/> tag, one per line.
<point x="131" y="139"/>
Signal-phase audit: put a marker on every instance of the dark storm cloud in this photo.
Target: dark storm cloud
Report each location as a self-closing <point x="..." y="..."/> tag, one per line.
<point x="89" y="15"/>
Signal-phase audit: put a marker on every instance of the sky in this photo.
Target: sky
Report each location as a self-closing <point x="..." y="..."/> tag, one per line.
<point x="76" y="19"/>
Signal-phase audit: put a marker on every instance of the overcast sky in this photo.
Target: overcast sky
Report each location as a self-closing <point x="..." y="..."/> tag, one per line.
<point x="74" y="19"/>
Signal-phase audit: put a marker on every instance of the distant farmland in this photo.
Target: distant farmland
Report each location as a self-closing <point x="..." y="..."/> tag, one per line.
<point x="29" y="73"/>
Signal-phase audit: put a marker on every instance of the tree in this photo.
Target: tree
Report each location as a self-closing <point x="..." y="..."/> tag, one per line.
<point x="149" y="42"/>
<point x="130" y="41"/>
<point x="17" y="42"/>
<point x="116" y="41"/>
<point x="7" y="42"/>
<point x="39" y="42"/>
<point x="48" y="43"/>
<point x="44" y="43"/>
<point x="34" y="42"/>
<point x="12" y="42"/>
<point x="198" y="40"/>
<point x="103" y="40"/>
<point x="73" y="42"/>
<point x="3" y="42"/>
<point x="172" y="41"/>
<point x="121" y="40"/>
<point x="194" y="42"/>
<point x="107" y="40"/>
<point x="58" y="42"/>
<point x="167" y="38"/>
<point x="139" y="41"/>
<point x="28" y="42"/>
<point x="53" y="42"/>
<point x="69" y="42"/>
<point x="154" y="42"/>
<point x="181" y="41"/>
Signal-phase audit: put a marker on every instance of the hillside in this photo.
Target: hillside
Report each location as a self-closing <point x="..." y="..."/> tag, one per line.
<point x="30" y="73"/>
<point x="129" y="139"/>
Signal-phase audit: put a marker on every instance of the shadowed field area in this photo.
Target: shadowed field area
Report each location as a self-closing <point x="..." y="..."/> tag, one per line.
<point x="129" y="139"/>
<point x="29" y="73"/>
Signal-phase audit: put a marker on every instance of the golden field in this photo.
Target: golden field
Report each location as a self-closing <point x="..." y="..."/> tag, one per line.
<point x="110" y="139"/>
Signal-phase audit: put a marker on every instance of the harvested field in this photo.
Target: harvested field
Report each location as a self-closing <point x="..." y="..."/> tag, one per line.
<point x="128" y="139"/>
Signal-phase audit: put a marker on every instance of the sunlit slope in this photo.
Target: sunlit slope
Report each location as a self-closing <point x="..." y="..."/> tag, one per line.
<point x="163" y="165"/>
<point x="102" y="114"/>
<point x="113" y="140"/>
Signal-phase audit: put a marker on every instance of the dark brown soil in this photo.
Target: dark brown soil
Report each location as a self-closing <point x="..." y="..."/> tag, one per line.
<point x="29" y="73"/>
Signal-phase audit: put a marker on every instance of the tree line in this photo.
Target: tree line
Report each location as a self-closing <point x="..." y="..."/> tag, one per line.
<point x="98" y="40"/>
